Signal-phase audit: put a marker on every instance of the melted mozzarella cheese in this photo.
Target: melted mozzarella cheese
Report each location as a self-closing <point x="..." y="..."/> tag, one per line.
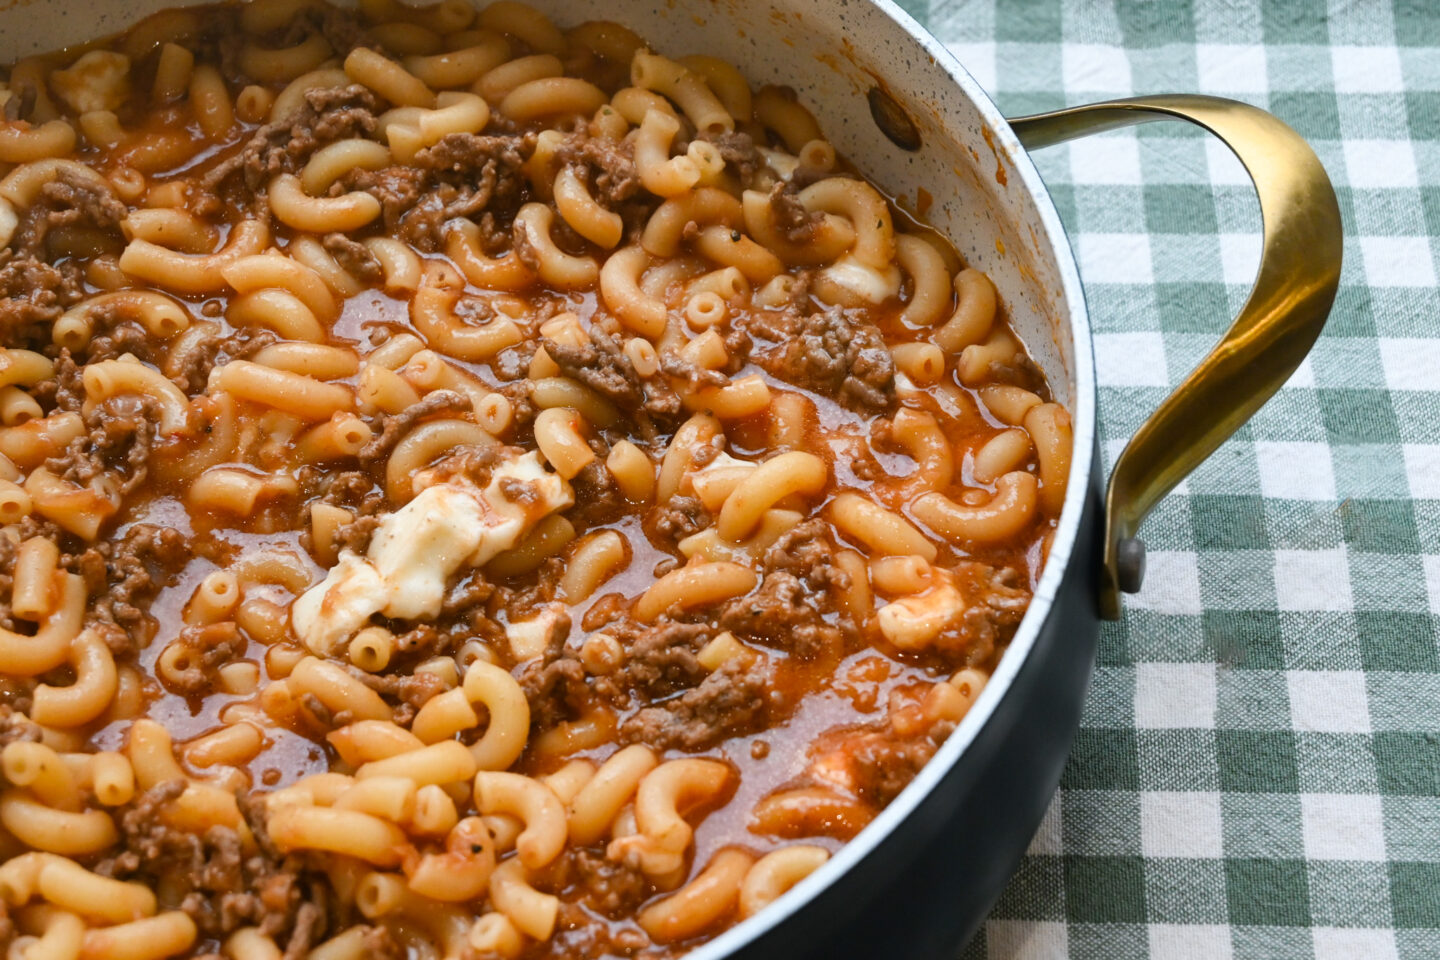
<point x="856" y="282"/>
<point x="416" y="549"/>
<point x="914" y="622"/>
<point x="100" y="80"/>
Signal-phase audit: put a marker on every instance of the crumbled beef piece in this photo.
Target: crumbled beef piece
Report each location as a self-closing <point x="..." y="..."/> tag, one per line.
<point x="15" y="727"/>
<point x="112" y="342"/>
<point x="329" y="114"/>
<point x="522" y="405"/>
<point x="523" y="249"/>
<point x="602" y="366"/>
<point x="598" y="499"/>
<point x="797" y="224"/>
<point x="616" y="180"/>
<point x="144" y="559"/>
<point x="203" y="650"/>
<point x="398" y="424"/>
<point x="353" y="256"/>
<point x="117" y="444"/>
<point x="732" y="701"/>
<point x="397" y="188"/>
<point x="216" y="882"/>
<point x="411" y="689"/>
<point x="659" y="658"/>
<point x="738" y="151"/>
<point x="998" y="599"/>
<point x="68" y="199"/>
<point x="32" y="294"/>
<point x="807" y="551"/>
<point x="871" y="765"/>
<point x="352" y="488"/>
<point x="355" y="536"/>
<point x="555" y="683"/>
<point x="674" y="364"/>
<point x="342" y="30"/>
<point x="784" y="614"/>
<point x="190" y="368"/>
<point x="673" y="521"/>
<point x="609" y="888"/>
<point x="828" y="353"/>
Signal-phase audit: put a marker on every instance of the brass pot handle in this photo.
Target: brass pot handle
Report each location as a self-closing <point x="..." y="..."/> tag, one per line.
<point x="1299" y="273"/>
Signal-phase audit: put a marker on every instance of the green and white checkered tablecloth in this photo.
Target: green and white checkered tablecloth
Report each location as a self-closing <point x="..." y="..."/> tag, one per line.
<point x="1258" y="769"/>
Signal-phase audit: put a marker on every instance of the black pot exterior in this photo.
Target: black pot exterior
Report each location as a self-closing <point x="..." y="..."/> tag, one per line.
<point x="925" y="890"/>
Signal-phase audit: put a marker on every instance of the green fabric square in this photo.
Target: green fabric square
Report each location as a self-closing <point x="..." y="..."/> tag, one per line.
<point x="1388" y="212"/>
<point x="1063" y="195"/>
<point x="1346" y="362"/>
<point x="1370" y="470"/>
<point x="1417" y="944"/>
<point x="1390" y="640"/>
<point x="1271" y="943"/>
<point x="1389" y="582"/>
<point x="1412" y="828"/>
<point x="1185" y="890"/>
<point x="1179" y="208"/>
<point x="1105" y="889"/>
<point x="1256" y="761"/>
<point x="1374" y="116"/>
<point x="1415" y="894"/>
<point x="1262" y="825"/>
<point x="1415" y="23"/>
<point x="1430" y="203"/>
<point x="1316" y="640"/>
<point x="1336" y="763"/>
<point x="1109" y="941"/>
<point x="1101" y="823"/>
<point x="1166" y="638"/>
<point x="1315" y="115"/>
<point x="1287" y="22"/>
<point x="1229" y="523"/>
<point x="1351" y="314"/>
<point x="1102" y="760"/>
<point x="1027" y="23"/>
<point x="1404" y="702"/>
<point x="1267" y="892"/>
<point x="1252" y="700"/>
<point x="1111" y="700"/>
<point x="1191" y="307"/>
<point x="1144" y="24"/>
<point x="1408" y="763"/>
<point x="1035" y="892"/>
<point x="1349" y="894"/>
<point x="1245" y="638"/>
<point x="1358" y="416"/>
<point x="1108" y="209"/>
<point x="1178" y="760"/>
<point x="1380" y="526"/>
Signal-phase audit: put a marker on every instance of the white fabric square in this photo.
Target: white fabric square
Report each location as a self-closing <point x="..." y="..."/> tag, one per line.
<point x="1422" y="469"/>
<point x="1380" y="163"/>
<point x="1328" y="701"/>
<point x="1130" y="360"/>
<point x="1108" y="160"/>
<point x="1303" y="377"/>
<point x="1026" y="940"/>
<point x="1410" y="363"/>
<point x="1231" y="68"/>
<point x="1398" y="262"/>
<point x="1181" y="825"/>
<point x="1175" y="941"/>
<point x="1432" y="582"/>
<point x="1295" y="470"/>
<point x="1239" y="257"/>
<point x="1312" y="579"/>
<point x="1172" y="583"/>
<point x="1095" y="68"/>
<point x="1116" y="258"/>
<point x="1225" y="168"/>
<point x="1175" y="696"/>
<point x="1342" y="826"/>
<point x="1349" y="943"/>
<point x="978" y="59"/>
<point x="1049" y="836"/>
<point x="1366" y="69"/>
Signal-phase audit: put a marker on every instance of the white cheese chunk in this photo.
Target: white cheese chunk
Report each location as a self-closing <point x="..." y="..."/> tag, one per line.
<point x="415" y="551"/>
<point x="849" y="281"/>
<point x="100" y="80"/>
<point x="914" y="622"/>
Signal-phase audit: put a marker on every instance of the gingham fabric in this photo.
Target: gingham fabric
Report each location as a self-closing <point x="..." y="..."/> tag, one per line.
<point x="1257" y="776"/>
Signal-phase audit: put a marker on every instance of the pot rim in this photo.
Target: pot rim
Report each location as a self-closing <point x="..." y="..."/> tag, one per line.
<point x="1067" y="309"/>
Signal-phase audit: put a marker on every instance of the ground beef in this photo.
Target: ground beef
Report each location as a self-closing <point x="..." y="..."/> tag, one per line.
<point x="190" y="368"/>
<point x="353" y="256"/>
<point x="210" y="877"/>
<point x="659" y="659"/>
<point x="343" y="31"/>
<point x="807" y="551"/>
<point x="998" y="601"/>
<point x="397" y="188"/>
<point x="598" y="499"/>
<point x="329" y="114"/>
<point x="609" y="888"/>
<point x="797" y="224"/>
<point x="602" y="366"/>
<point x="413" y="690"/>
<point x="674" y="364"/>
<point x="15" y="727"/>
<point x="116" y="444"/>
<point x="33" y="293"/>
<point x="144" y="559"/>
<point x="738" y="151"/>
<point x="785" y="614"/>
<point x="828" y="353"/>
<point x="872" y="765"/>
<point x="203" y="650"/>
<point x="555" y="683"/>
<point x="397" y="425"/>
<point x="615" y="179"/>
<point x="69" y="199"/>
<point x="355" y="536"/>
<point x="670" y="522"/>
<point x="733" y="701"/>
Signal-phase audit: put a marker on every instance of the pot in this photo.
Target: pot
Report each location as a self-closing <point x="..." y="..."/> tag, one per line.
<point x="920" y="878"/>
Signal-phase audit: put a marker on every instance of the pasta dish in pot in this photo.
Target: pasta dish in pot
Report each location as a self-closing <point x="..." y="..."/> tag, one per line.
<point x="471" y="487"/>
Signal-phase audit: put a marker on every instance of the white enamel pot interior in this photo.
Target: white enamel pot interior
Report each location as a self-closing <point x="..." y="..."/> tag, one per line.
<point x="986" y="197"/>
